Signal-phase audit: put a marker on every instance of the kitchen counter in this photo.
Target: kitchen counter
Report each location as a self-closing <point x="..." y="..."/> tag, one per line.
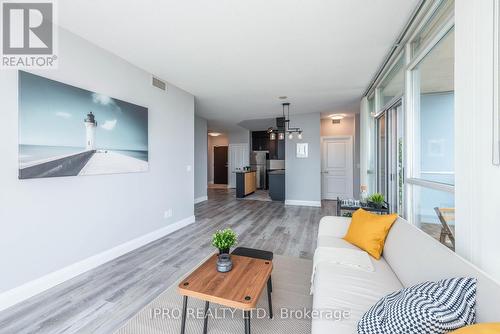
<point x="246" y="183"/>
<point x="277" y="184"/>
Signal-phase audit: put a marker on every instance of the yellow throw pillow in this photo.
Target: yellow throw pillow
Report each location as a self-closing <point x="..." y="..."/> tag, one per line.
<point x="368" y="231"/>
<point x="491" y="328"/>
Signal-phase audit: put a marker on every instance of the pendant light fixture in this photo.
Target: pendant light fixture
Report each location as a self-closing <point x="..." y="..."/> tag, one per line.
<point x="287" y="129"/>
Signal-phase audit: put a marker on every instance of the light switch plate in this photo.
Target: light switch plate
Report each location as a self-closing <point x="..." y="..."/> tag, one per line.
<point x="302" y="150"/>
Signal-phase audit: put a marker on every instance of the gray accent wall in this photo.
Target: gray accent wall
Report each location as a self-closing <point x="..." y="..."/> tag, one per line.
<point x="303" y="175"/>
<point x="51" y="223"/>
<point x="200" y="158"/>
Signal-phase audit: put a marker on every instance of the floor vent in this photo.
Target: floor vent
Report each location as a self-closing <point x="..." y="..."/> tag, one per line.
<point x="159" y="84"/>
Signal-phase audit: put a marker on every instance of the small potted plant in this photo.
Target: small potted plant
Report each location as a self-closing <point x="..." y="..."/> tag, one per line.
<point x="377" y="200"/>
<point x="224" y="240"/>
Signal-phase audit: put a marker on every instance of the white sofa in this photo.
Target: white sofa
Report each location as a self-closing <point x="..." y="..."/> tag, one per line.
<point x="410" y="257"/>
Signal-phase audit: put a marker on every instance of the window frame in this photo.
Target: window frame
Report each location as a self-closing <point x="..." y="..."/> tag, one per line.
<point x="413" y="94"/>
<point x="429" y="16"/>
<point x="410" y="95"/>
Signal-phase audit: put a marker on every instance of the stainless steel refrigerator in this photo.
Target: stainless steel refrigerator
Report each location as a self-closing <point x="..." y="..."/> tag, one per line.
<point x="258" y="160"/>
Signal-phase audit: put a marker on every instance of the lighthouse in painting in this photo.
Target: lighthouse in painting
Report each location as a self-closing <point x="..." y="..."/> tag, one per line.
<point x="90" y="125"/>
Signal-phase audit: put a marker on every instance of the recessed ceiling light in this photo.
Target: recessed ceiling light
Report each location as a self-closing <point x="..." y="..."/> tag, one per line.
<point x="337" y="117"/>
<point x="214" y="134"/>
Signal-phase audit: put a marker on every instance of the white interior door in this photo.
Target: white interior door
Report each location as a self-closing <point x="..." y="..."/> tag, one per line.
<point x="337" y="167"/>
<point x="239" y="157"/>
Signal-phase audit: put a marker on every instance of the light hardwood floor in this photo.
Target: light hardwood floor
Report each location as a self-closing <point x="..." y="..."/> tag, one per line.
<point x="103" y="299"/>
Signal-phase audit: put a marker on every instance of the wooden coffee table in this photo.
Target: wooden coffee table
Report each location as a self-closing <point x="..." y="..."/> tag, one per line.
<point x="240" y="288"/>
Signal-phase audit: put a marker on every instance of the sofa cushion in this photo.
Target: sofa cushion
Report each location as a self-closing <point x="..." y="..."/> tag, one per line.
<point x="328" y="241"/>
<point x="340" y="288"/>
<point x="331" y="231"/>
<point x="429" y="307"/>
<point x="368" y="231"/>
<point x="334" y="226"/>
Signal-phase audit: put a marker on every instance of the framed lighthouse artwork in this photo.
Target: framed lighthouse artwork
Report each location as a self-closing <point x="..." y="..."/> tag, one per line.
<point x="69" y="131"/>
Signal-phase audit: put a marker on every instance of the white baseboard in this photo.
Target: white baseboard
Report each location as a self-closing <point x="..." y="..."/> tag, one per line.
<point x="30" y="289"/>
<point x="303" y="203"/>
<point x="200" y="199"/>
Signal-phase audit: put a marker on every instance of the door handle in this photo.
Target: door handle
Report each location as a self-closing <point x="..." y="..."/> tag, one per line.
<point x="326" y="172"/>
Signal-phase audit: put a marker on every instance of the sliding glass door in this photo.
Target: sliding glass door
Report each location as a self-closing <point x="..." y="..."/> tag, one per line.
<point x="382" y="154"/>
<point x="395" y="177"/>
<point x="390" y="157"/>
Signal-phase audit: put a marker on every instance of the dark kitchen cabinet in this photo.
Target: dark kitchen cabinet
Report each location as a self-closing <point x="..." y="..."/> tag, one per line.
<point x="277" y="185"/>
<point x="260" y="141"/>
<point x="272" y="149"/>
<point x="281" y="150"/>
<point x="277" y="149"/>
<point x="279" y="145"/>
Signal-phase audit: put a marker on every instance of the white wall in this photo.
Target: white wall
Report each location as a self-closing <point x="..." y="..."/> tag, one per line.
<point x="200" y="159"/>
<point x="346" y="127"/>
<point x="303" y="176"/>
<point x="477" y="179"/>
<point x="239" y="136"/>
<point x="221" y="140"/>
<point x="51" y="223"/>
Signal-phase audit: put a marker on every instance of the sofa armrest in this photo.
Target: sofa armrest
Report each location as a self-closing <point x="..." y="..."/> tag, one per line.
<point x="333" y="226"/>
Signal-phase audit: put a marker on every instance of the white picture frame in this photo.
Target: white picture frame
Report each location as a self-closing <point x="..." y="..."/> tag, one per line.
<point x="302" y="150"/>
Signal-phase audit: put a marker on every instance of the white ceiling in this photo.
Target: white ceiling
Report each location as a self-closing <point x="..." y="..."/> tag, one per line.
<point x="237" y="57"/>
